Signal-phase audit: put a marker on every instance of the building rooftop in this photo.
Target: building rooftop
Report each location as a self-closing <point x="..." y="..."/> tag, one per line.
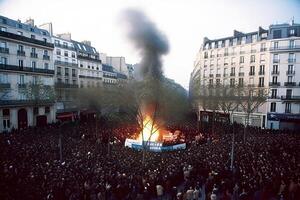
<point x="25" y="26"/>
<point x="84" y="48"/>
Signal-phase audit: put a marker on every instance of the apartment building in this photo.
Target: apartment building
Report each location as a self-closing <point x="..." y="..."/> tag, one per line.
<point x="266" y="58"/>
<point x="89" y="64"/>
<point x="25" y="61"/>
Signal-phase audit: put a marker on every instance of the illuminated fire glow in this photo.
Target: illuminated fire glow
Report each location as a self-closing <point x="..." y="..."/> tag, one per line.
<point x="150" y="131"/>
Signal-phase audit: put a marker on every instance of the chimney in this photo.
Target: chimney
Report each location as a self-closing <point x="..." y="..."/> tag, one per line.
<point x="29" y="21"/>
<point x="66" y="36"/>
<point x="87" y="42"/>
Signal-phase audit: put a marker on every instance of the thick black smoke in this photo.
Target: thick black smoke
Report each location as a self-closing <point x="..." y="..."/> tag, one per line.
<point x="151" y="43"/>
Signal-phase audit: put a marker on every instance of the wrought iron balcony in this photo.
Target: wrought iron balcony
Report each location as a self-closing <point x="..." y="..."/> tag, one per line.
<point x="89" y="58"/>
<point x="286" y="48"/>
<point x="211" y="75"/>
<point x="289" y="83"/>
<point x="274" y="84"/>
<point x="241" y="73"/>
<point x="290" y="97"/>
<point x="261" y="73"/>
<point x="63" y="63"/>
<point x="46" y="57"/>
<point x="290" y="72"/>
<point x="33" y="55"/>
<point x="5" y="85"/>
<point x="4" y="50"/>
<point x="25" y="39"/>
<point x="232" y="74"/>
<point x="276" y="61"/>
<point x="275" y="72"/>
<point x="218" y="75"/>
<point x="65" y="85"/>
<point x="21" y="85"/>
<point x="251" y="73"/>
<point x="263" y="49"/>
<point x="20" y="53"/>
<point x="25" y="69"/>
<point x="253" y="51"/>
<point x="64" y="46"/>
<point x="291" y="60"/>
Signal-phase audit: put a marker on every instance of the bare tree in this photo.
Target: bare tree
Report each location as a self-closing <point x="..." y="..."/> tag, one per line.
<point x="250" y="99"/>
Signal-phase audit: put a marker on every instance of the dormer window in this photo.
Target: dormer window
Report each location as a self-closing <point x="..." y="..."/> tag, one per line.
<point x="292" y="32"/>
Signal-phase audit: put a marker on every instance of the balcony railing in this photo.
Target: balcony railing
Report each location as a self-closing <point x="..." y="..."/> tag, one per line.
<point x="65" y="85"/>
<point x="274" y="84"/>
<point x="25" y="39"/>
<point x="290" y="97"/>
<point x="225" y="54"/>
<point x="276" y="61"/>
<point x="242" y="52"/>
<point x="291" y="60"/>
<point x="263" y="49"/>
<point x="21" y="85"/>
<point x="241" y="73"/>
<point x="253" y="51"/>
<point x="232" y="74"/>
<point x="224" y="75"/>
<point x="285" y="48"/>
<point x="251" y="73"/>
<point x="66" y="74"/>
<point x="5" y="85"/>
<point x="218" y="75"/>
<point x="261" y="73"/>
<point x="73" y="75"/>
<point x="58" y="62"/>
<point x="46" y="57"/>
<point x="89" y="58"/>
<point x="289" y="72"/>
<point x="20" y="53"/>
<point x="4" y="50"/>
<point x="289" y="83"/>
<point x="26" y="102"/>
<point x="64" y="46"/>
<point x="275" y="72"/>
<point x="33" y="55"/>
<point x="25" y="69"/>
<point x="211" y="75"/>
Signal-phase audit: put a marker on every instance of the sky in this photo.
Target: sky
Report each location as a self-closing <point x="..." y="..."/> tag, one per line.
<point x="184" y="22"/>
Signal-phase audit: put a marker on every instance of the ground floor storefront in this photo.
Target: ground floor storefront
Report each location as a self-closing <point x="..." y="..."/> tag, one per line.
<point x="20" y="117"/>
<point x="284" y="121"/>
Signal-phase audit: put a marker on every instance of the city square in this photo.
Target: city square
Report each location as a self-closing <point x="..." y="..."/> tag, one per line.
<point x="123" y="103"/>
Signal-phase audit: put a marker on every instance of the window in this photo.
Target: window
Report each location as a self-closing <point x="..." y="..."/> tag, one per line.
<point x="3" y="45"/>
<point x="217" y="81"/>
<point x="3" y="61"/>
<point x="288" y="93"/>
<point x="36" y="110"/>
<point x="263" y="47"/>
<point x="252" y="70"/>
<point x="205" y="54"/>
<point x="66" y="71"/>
<point x="292" y="43"/>
<point x="56" y="42"/>
<point x="232" y="82"/>
<point x="251" y="81"/>
<point x="292" y="32"/>
<point x="33" y="64"/>
<point x="65" y="44"/>
<point x="46" y="52"/>
<point x="275" y="69"/>
<point x="66" y="53"/>
<point x="288" y="107"/>
<point x="32" y="36"/>
<point x="254" y="38"/>
<point x="274" y="93"/>
<point x="6" y="123"/>
<point x="3" y="78"/>
<point x="241" y="59"/>
<point x="274" y="80"/>
<point x="21" y="63"/>
<point x="33" y="50"/>
<point x="74" y="82"/>
<point x="252" y="58"/>
<point x="241" y="81"/>
<point x="58" y="52"/>
<point x="290" y="79"/>
<point x="45" y="40"/>
<point x="20" y="33"/>
<point x="46" y="66"/>
<point x="73" y="54"/>
<point x="261" y="69"/>
<point x="262" y="57"/>
<point x="4" y="29"/>
<point x="47" y="109"/>
<point x="276" y="58"/>
<point x="275" y="45"/>
<point x="73" y="72"/>
<point x="58" y="70"/>
<point x="273" y="107"/>
<point x="261" y="82"/>
<point x="81" y="65"/>
<point x="5" y="112"/>
<point x="20" y="48"/>
<point x="22" y="79"/>
<point x="44" y="33"/>
<point x="232" y="70"/>
<point x="67" y="81"/>
<point x="290" y="69"/>
<point x="291" y="57"/>
<point x="211" y="81"/>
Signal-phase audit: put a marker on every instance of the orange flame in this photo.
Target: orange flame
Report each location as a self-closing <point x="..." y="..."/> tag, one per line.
<point x="150" y="130"/>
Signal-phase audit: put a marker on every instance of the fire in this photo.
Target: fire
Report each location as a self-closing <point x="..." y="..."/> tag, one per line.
<point x="150" y="130"/>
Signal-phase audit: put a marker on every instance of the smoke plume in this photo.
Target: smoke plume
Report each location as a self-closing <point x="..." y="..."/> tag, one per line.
<point x="149" y="41"/>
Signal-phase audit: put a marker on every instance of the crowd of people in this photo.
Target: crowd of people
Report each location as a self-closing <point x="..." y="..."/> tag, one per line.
<point x="92" y="164"/>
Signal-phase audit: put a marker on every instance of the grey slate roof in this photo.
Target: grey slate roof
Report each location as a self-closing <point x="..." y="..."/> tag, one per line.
<point x="20" y="25"/>
<point x="81" y="47"/>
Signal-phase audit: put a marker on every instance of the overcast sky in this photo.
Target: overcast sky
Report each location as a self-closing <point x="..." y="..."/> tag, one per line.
<point x="184" y="22"/>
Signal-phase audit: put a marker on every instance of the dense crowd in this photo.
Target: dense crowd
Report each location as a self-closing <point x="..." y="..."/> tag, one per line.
<point x="95" y="165"/>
